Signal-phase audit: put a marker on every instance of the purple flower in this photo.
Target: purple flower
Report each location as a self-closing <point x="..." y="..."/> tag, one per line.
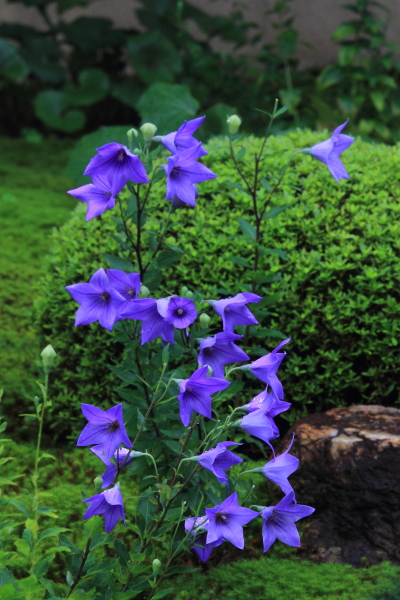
<point x="226" y="521"/>
<point x="127" y="285"/>
<point x="111" y="470"/>
<point x="181" y="312"/>
<point x="266" y="367"/>
<point x="200" y="546"/>
<point x="280" y="468"/>
<point x="98" y="299"/>
<point x="181" y="140"/>
<point x="183" y="172"/>
<point x="196" y="394"/>
<point x="152" y="313"/>
<point x="97" y="196"/>
<point x="279" y="522"/>
<point x="177" y="203"/>
<point x="259" y="422"/>
<point x="116" y="163"/>
<point x="105" y="427"/>
<point x="234" y="311"/>
<point x="329" y="151"/>
<point x="110" y="504"/>
<point x="219" y="459"/>
<point x="221" y="350"/>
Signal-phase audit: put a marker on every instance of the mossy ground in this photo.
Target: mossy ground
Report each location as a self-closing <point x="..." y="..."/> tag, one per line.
<point x="32" y="202"/>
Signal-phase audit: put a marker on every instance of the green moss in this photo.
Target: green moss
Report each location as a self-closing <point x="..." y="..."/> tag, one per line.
<point x="337" y="295"/>
<point x="32" y="202"/>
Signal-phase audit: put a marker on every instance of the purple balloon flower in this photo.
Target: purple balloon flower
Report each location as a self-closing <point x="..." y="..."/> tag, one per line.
<point x="181" y="312"/>
<point x="259" y="422"/>
<point x="110" y="504"/>
<point x="220" y="350"/>
<point x="280" y="468"/>
<point x="200" y="546"/>
<point x="226" y="521"/>
<point x="152" y="313"/>
<point x="111" y="470"/>
<point x="98" y="299"/>
<point x="266" y="367"/>
<point x="105" y="427"/>
<point x="116" y="163"/>
<point x="219" y="459"/>
<point x="177" y="203"/>
<point x="196" y="394"/>
<point x="127" y="285"/>
<point x="234" y="311"/>
<point x="183" y="172"/>
<point x="181" y="140"/>
<point x="329" y="151"/>
<point x="279" y="522"/>
<point x="97" y="195"/>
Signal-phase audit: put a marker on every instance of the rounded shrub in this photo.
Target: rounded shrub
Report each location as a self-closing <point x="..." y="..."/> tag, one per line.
<point x="336" y="295"/>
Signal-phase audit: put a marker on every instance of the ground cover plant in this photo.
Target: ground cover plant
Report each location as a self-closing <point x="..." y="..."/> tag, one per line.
<point x="32" y="202"/>
<point x="186" y="499"/>
<point x="336" y="294"/>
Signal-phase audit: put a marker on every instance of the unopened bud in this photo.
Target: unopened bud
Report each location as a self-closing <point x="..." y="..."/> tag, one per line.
<point x="148" y="130"/>
<point x="234" y="123"/>
<point x="48" y="355"/>
<point x="137" y="151"/>
<point x="186" y="293"/>
<point x="144" y="292"/>
<point x="156" y="567"/>
<point x="98" y="482"/>
<point x="204" y="320"/>
<point x="129" y="134"/>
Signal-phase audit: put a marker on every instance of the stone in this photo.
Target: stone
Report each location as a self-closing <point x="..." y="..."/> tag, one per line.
<point x="350" y="473"/>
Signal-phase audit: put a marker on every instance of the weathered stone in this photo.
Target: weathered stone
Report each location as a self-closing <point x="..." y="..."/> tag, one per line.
<point x="350" y="472"/>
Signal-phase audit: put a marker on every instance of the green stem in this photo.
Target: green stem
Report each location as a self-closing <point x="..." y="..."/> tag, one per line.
<point x="79" y="574"/>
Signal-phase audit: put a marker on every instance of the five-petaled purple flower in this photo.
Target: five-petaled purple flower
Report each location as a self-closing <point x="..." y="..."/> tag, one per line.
<point x="200" y="546"/>
<point x="266" y="367"/>
<point x="259" y="422"/>
<point x="152" y="313"/>
<point x="329" y="151"/>
<point x="110" y="504"/>
<point x="183" y="172"/>
<point x="181" y="312"/>
<point x="181" y="140"/>
<point x="97" y="196"/>
<point x="126" y="284"/>
<point x="219" y="459"/>
<point x="233" y="311"/>
<point x="98" y="299"/>
<point x="119" y="456"/>
<point x="279" y="522"/>
<point x="105" y="427"/>
<point x="226" y="521"/>
<point x="221" y="350"/>
<point x="280" y="468"/>
<point x="196" y="394"/>
<point x="115" y="162"/>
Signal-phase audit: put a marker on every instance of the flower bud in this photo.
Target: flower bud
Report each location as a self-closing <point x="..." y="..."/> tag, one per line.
<point x="98" y="482"/>
<point x="137" y="151"/>
<point x="129" y="134"/>
<point x="156" y="567"/>
<point x="204" y="320"/>
<point x="186" y="293"/>
<point x="48" y="355"/>
<point x="234" y="123"/>
<point x="148" y="130"/>
<point x="144" y="292"/>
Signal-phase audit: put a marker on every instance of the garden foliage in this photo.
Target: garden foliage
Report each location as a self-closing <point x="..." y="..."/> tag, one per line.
<point x="329" y="268"/>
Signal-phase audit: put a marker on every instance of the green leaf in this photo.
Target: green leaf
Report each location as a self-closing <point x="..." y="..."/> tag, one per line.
<point x="282" y="110"/>
<point x="162" y="593"/>
<point x="215" y="122"/>
<point x="6" y="577"/>
<point x="167" y="106"/>
<point x="51" y="108"/>
<point x="237" y="186"/>
<point x="116" y="262"/>
<point x="154" y="57"/>
<point x="277" y="210"/>
<point x="40" y="569"/>
<point x="180" y="569"/>
<point x="12" y="65"/>
<point x="238" y="260"/>
<point x="21" y="507"/>
<point x="93" y="527"/>
<point x="94" y="86"/>
<point x="23" y="547"/>
<point x="248" y="229"/>
<point x="52" y="532"/>
<point x="266" y="184"/>
<point x="167" y="257"/>
<point x="344" y="30"/>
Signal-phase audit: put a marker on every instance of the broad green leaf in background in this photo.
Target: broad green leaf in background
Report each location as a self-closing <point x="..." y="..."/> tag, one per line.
<point x="51" y="108"/>
<point x="94" y="85"/>
<point x="12" y="65"/>
<point x="167" y="105"/>
<point x="215" y="123"/>
<point x="154" y="57"/>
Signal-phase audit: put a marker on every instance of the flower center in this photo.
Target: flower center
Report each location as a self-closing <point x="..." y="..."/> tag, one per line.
<point x="221" y="519"/>
<point x="105" y="296"/>
<point x="113" y="426"/>
<point x="121" y="155"/>
<point x="180" y="311"/>
<point x="188" y="388"/>
<point x="130" y="292"/>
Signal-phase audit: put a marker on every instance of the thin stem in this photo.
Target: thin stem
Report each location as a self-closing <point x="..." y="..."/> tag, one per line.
<point x="160" y="239"/>
<point x="79" y="574"/>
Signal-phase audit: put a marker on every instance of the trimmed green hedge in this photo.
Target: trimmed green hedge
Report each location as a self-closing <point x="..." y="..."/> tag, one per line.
<point x="337" y="296"/>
